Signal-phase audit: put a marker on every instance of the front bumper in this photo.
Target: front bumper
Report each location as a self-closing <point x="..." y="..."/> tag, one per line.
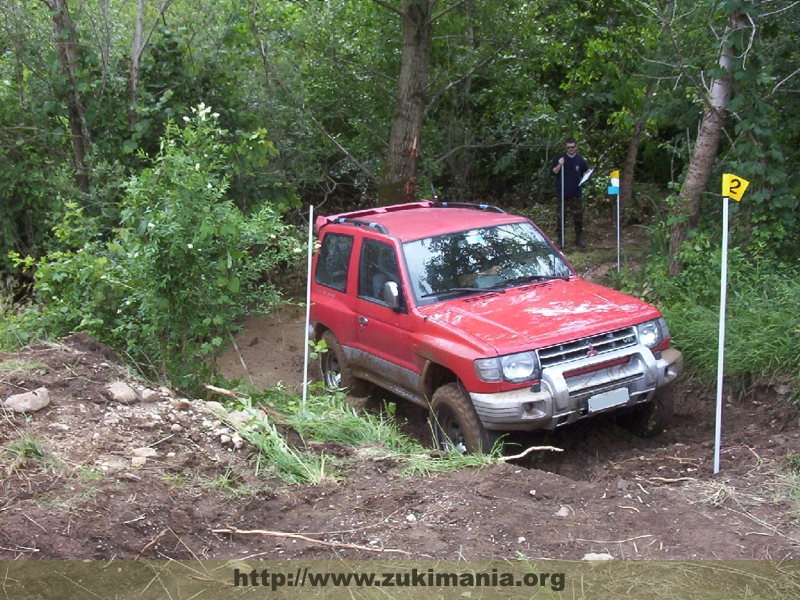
<point x="577" y="389"/>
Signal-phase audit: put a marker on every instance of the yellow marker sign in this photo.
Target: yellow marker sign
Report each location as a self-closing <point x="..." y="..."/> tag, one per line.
<point x="733" y="186"/>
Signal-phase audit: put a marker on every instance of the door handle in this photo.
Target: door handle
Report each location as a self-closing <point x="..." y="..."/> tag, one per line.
<point x="363" y="320"/>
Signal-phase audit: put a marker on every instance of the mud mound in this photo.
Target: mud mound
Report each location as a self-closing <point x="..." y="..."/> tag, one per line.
<point x="93" y="477"/>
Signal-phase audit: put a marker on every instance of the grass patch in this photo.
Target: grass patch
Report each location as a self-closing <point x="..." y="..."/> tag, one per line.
<point x="178" y="480"/>
<point x="89" y="475"/>
<point x="226" y="482"/>
<point x="762" y="329"/>
<point x="793" y="462"/>
<point x="762" y="324"/>
<point x="425" y="463"/>
<point x="328" y="418"/>
<point x="15" y="365"/>
<point x="232" y="485"/>
<point x="26" y="452"/>
<point x="272" y="453"/>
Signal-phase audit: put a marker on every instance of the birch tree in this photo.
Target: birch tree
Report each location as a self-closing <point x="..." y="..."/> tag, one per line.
<point x="138" y="45"/>
<point x="686" y="210"/>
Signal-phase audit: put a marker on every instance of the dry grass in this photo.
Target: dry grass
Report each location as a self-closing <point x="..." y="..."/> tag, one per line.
<point x="766" y="488"/>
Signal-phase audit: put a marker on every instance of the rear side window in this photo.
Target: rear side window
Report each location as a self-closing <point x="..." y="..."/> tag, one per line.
<point x="333" y="261"/>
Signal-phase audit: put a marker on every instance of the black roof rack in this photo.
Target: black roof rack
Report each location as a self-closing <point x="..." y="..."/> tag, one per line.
<point x="486" y="207"/>
<point x="360" y="223"/>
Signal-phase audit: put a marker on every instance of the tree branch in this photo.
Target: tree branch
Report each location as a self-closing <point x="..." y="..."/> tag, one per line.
<point x="269" y="69"/>
<point x="780" y="10"/>
<point x="438" y="94"/>
<point x="388" y="6"/>
<point x="780" y="83"/>
<point x="447" y="10"/>
<point x="230" y="529"/>
<point x="452" y="151"/>
<point x="342" y="149"/>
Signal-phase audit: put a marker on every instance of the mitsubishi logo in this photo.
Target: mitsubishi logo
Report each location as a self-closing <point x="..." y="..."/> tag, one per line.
<point x="591" y="351"/>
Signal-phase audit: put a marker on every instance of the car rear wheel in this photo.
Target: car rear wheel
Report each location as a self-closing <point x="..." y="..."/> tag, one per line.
<point x="650" y="419"/>
<point x="336" y="373"/>
<point x="455" y="424"/>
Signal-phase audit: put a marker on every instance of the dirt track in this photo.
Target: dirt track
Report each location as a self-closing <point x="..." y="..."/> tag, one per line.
<point x="608" y="492"/>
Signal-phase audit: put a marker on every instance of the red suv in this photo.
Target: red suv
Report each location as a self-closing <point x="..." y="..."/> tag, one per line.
<point x="473" y="313"/>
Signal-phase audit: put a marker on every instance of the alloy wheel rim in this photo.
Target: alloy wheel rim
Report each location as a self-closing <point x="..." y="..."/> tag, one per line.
<point x="332" y="373"/>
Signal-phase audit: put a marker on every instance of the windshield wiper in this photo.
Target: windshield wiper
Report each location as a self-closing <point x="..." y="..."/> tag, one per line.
<point x="532" y="278"/>
<point x="464" y="290"/>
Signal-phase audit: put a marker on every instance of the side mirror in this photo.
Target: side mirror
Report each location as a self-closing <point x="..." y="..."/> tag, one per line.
<point x="391" y="295"/>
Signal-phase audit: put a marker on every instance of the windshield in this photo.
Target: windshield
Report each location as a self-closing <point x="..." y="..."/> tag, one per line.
<point x="490" y="258"/>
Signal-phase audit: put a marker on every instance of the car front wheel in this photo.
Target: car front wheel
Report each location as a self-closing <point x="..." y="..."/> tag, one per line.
<point x="455" y="424"/>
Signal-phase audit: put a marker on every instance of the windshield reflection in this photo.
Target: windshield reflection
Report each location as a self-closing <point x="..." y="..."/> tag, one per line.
<point x="481" y="259"/>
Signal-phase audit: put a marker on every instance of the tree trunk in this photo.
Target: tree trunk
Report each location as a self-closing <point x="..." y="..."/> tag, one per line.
<point x="629" y="166"/>
<point x="686" y="211"/>
<point x="399" y="179"/>
<point x="136" y="54"/>
<point x="138" y="44"/>
<point x="66" y="43"/>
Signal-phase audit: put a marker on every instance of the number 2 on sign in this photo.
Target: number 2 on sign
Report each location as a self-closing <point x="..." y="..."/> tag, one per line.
<point x="733" y="186"/>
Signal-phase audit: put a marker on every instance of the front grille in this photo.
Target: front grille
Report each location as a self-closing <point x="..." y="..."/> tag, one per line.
<point x="591" y="346"/>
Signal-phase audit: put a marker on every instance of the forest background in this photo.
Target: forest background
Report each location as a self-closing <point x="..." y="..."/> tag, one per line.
<point x="158" y="158"/>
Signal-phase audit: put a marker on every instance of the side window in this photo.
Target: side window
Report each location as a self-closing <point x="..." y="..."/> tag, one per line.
<point x="378" y="265"/>
<point x="333" y="261"/>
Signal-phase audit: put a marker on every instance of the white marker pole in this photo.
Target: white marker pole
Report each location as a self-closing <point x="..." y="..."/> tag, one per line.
<point x="614" y="189"/>
<point x="723" y="296"/>
<point x="618" y="230"/>
<point x="308" y="304"/>
<point x="562" y="207"/>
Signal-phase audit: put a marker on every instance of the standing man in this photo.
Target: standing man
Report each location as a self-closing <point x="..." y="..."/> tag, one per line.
<point x="568" y="169"/>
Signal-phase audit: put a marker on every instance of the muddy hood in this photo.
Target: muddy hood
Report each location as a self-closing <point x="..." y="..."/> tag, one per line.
<point x="540" y="315"/>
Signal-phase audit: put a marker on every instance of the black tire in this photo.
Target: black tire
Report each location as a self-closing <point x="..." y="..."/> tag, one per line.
<point x="649" y="420"/>
<point x="335" y="371"/>
<point x="456" y="425"/>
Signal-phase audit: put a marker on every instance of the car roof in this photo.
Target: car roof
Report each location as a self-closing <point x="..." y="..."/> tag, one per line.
<point x="417" y="220"/>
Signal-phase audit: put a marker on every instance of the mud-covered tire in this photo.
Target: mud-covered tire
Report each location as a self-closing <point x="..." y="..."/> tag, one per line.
<point x="649" y="420"/>
<point x="455" y="424"/>
<point x="334" y="370"/>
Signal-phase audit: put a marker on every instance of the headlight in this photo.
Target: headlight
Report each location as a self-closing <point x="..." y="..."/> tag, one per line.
<point x="514" y="368"/>
<point x="652" y="333"/>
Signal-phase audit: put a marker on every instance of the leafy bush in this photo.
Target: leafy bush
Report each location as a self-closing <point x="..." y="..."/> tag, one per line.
<point x="762" y="328"/>
<point x="167" y="286"/>
<point x="762" y="322"/>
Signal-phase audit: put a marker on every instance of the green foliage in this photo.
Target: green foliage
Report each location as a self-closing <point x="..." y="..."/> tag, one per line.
<point x="762" y="321"/>
<point x="762" y="326"/>
<point x="317" y="348"/>
<point x="300" y="85"/>
<point x="273" y="453"/>
<point x="327" y="418"/>
<point x="793" y="462"/>
<point x="167" y="286"/>
<point x="13" y="332"/>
